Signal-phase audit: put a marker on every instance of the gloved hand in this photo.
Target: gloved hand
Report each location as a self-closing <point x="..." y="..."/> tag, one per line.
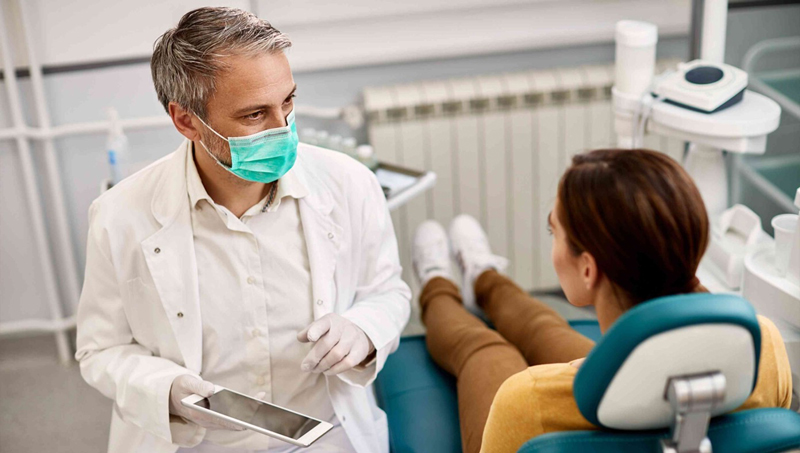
<point x="185" y="385"/>
<point x="340" y="345"/>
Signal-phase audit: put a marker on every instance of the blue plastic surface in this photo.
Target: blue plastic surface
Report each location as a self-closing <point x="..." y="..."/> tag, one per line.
<point x="420" y="398"/>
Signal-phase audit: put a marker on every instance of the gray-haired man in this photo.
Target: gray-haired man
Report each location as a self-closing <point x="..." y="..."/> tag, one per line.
<point x="261" y="265"/>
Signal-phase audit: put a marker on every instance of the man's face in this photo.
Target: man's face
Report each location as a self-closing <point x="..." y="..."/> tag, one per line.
<point x="252" y="93"/>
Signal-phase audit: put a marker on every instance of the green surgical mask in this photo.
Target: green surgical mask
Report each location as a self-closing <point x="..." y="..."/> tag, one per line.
<point x="263" y="157"/>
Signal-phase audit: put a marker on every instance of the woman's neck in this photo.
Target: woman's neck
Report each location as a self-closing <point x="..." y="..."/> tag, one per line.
<point x="609" y="305"/>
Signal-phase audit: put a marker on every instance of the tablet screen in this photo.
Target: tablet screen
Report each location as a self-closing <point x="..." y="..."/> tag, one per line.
<point x="263" y="415"/>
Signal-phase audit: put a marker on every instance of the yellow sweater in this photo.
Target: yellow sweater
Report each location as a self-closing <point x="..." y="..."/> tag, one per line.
<point x="539" y="400"/>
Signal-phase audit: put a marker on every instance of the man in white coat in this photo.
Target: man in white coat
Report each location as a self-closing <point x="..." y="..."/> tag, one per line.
<point x="242" y="259"/>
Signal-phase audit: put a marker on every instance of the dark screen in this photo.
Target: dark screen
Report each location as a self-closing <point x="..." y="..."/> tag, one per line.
<point x="263" y="415"/>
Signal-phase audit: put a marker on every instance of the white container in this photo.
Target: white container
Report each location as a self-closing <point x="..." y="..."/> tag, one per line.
<point x="784" y="225"/>
<point x="323" y="139"/>
<point x="349" y="146"/>
<point x="308" y="136"/>
<point x="366" y="155"/>
<point x="335" y="143"/>
<point x="635" y="56"/>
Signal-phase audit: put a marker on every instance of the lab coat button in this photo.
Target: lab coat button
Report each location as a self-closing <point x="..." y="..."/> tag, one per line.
<point x="180" y="314"/>
<point x="256" y="332"/>
<point x="260" y="380"/>
<point x="157" y="250"/>
<point x="251" y="280"/>
<point x="319" y="302"/>
<point x="330" y="235"/>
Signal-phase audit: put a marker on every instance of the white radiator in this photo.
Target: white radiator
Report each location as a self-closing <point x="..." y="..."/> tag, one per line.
<point x="498" y="145"/>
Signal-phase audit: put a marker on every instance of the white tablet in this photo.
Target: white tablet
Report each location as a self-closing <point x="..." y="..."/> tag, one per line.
<point x="260" y="416"/>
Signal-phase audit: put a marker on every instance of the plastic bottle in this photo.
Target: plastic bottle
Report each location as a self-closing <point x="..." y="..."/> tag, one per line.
<point x="117" y="148"/>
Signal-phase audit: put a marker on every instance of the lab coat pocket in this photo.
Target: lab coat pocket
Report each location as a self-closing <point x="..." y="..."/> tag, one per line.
<point x="145" y="314"/>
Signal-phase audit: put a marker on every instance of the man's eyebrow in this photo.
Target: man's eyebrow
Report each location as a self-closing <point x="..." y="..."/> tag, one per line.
<point x="255" y="108"/>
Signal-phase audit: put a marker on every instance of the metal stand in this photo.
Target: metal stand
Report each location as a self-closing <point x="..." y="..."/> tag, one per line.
<point x="693" y="398"/>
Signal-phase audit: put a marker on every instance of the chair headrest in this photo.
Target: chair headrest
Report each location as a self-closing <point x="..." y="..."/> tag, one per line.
<point x="622" y="382"/>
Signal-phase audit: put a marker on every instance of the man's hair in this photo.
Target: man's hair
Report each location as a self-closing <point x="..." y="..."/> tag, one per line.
<point x="187" y="58"/>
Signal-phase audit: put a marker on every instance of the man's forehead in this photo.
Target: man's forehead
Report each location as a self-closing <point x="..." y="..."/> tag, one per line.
<point x="246" y="78"/>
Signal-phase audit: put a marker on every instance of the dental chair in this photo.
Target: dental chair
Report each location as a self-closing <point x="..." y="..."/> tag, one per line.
<point x="664" y="378"/>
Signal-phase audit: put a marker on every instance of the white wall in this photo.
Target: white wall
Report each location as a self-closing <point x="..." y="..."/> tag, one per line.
<point x="335" y="34"/>
<point x="87" y="31"/>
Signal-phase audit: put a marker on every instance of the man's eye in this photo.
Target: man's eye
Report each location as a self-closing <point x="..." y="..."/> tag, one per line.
<point x="254" y="115"/>
<point x="289" y="99"/>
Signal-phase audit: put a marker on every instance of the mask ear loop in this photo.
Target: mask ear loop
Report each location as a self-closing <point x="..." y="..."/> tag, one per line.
<point x="209" y="127"/>
<point x="206" y="148"/>
<point x="289" y="120"/>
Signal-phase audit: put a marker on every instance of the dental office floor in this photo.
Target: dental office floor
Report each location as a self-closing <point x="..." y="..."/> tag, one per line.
<point x="46" y="407"/>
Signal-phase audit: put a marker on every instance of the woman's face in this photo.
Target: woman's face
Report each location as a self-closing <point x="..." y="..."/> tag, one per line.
<point x="568" y="266"/>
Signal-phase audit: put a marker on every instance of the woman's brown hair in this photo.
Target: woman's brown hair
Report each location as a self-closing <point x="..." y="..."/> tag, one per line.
<point x="638" y="213"/>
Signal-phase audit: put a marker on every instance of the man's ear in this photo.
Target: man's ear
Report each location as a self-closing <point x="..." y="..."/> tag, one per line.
<point x="590" y="274"/>
<point x="184" y="121"/>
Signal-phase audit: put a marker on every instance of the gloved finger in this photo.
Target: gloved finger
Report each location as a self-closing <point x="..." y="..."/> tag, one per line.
<point x="357" y="354"/>
<point x="336" y="354"/>
<point x="315" y="330"/>
<point x="320" y="350"/>
<point x="192" y="385"/>
<point x="260" y="395"/>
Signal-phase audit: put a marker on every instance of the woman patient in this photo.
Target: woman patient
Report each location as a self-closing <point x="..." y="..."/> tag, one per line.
<point x="627" y="226"/>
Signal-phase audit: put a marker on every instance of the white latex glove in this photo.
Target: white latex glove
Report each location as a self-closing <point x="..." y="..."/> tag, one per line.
<point x="340" y="345"/>
<point x="185" y="385"/>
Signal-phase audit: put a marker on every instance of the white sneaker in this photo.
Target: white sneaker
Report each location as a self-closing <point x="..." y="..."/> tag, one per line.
<point x="431" y="253"/>
<point x="473" y="254"/>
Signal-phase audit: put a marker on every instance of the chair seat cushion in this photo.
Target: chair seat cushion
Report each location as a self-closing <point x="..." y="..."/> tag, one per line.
<point x="420" y="398"/>
<point x="753" y="431"/>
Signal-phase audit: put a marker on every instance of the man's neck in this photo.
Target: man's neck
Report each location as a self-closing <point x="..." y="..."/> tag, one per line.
<point x="225" y="188"/>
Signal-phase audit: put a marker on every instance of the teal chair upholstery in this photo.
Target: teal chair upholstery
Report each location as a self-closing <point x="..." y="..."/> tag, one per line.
<point x="667" y="320"/>
<point x="420" y="398"/>
<point x="422" y="407"/>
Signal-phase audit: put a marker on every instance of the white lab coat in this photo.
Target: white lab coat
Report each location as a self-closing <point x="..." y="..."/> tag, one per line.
<point x="139" y="320"/>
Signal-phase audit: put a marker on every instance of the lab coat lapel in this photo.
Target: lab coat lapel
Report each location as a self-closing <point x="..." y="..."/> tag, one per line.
<point x="323" y="240"/>
<point x="171" y="260"/>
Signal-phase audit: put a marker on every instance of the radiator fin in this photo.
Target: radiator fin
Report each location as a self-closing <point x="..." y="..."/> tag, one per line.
<point x="498" y="145"/>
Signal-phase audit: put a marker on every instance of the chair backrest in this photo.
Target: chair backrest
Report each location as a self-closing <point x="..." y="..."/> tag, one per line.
<point x="622" y="383"/>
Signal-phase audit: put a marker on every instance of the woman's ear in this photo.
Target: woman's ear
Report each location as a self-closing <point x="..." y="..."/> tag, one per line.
<point x="590" y="274"/>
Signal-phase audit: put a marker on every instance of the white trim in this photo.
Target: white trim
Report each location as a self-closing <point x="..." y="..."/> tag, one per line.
<point x="37" y="325"/>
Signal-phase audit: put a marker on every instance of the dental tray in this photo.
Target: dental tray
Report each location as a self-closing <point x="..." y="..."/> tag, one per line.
<point x="401" y="185"/>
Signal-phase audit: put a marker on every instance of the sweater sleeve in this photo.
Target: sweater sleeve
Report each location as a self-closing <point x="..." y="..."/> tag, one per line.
<point x="774" y="385"/>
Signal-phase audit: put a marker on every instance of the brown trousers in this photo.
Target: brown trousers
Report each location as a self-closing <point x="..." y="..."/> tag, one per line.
<point x="528" y="333"/>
